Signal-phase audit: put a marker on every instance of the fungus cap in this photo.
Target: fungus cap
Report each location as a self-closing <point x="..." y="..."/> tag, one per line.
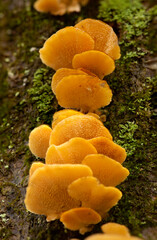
<point x="47" y="189"/>
<point x="72" y="152"/>
<point x="39" y="140"/>
<point x="94" y="195"/>
<point x="83" y="92"/>
<point x="115" y="228"/>
<point x="80" y="219"/>
<point x="34" y="167"/>
<point x="83" y="126"/>
<point x="51" y="6"/>
<point x="96" y="62"/>
<point x="103" y="35"/>
<point x="101" y="236"/>
<point x="64" y="72"/>
<point x="107" y="147"/>
<point x="65" y="113"/>
<point x="59" y="50"/>
<point x="108" y="171"/>
<point x="62" y="114"/>
<point x="59" y="7"/>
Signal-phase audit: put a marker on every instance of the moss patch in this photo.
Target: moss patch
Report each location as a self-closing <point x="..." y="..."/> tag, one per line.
<point x="130" y="117"/>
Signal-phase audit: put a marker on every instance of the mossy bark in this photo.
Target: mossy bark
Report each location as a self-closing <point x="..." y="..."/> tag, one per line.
<point x="27" y="101"/>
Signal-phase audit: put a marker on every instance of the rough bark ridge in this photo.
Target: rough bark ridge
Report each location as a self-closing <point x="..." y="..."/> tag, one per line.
<point x="27" y="101"/>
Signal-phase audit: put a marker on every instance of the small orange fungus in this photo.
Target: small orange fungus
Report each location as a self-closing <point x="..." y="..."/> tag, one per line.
<point x="113" y="231"/>
<point x="59" y="50"/>
<point x="59" y="7"/>
<point x="83" y="92"/>
<point x="83" y="126"/>
<point x="39" y="140"/>
<point x="47" y="189"/>
<point x="101" y="236"/>
<point x="108" y="171"/>
<point x="80" y="219"/>
<point x="107" y="147"/>
<point x="72" y="152"/>
<point x="96" y="62"/>
<point x="51" y="6"/>
<point x="103" y="35"/>
<point x="115" y="228"/>
<point x="94" y="195"/>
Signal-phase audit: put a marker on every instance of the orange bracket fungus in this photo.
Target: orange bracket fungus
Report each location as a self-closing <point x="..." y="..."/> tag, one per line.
<point x="108" y="171"/>
<point x="59" y="50"/>
<point x="47" y="189"/>
<point x="96" y="62"/>
<point x="59" y="7"/>
<point x="107" y="147"/>
<point x="72" y="152"/>
<point x="39" y="140"/>
<point x="83" y="92"/>
<point x="80" y="219"/>
<point x="101" y="236"/>
<point x="83" y="126"/>
<point x="103" y="35"/>
<point x="94" y="195"/>
<point x="113" y="231"/>
<point x="115" y="228"/>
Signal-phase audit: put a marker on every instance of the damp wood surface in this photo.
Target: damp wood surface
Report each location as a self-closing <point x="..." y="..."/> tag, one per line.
<point x="26" y="101"/>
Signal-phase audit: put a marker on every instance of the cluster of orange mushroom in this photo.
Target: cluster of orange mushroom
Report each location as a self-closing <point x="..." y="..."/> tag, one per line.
<point x="77" y="183"/>
<point x="59" y="7"/>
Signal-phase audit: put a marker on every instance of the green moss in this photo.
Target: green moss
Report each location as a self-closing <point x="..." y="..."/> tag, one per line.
<point x="41" y="95"/>
<point x="132" y="22"/>
<point x="126" y="137"/>
<point x="130" y="116"/>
